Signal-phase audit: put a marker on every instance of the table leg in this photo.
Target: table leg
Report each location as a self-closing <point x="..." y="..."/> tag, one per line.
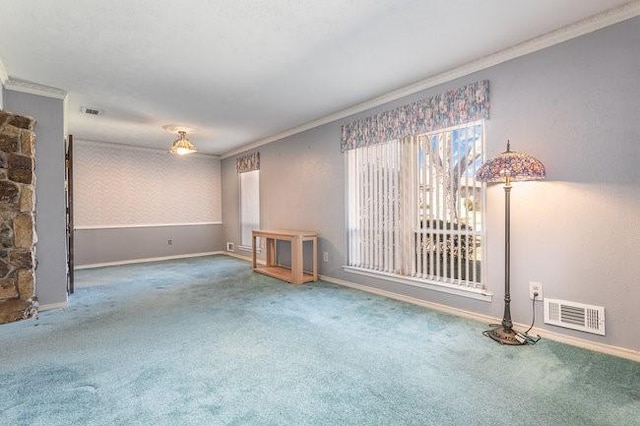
<point x="296" y="260"/>
<point x="314" y="241"/>
<point x="253" y="246"/>
<point x="271" y="251"/>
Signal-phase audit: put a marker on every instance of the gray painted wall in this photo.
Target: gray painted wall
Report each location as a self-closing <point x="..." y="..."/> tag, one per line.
<point x="575" y="107"/>
<point x="1" y="96"/>
<point x="97" y="246"/>
<point x="51" y="281"/>
<point x="129" y="202"/>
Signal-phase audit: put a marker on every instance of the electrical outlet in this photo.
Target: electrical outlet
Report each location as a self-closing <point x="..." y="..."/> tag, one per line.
<point x="535" y="287"/>
<point x="169" y="241"/>
<point x="325" y="256"/>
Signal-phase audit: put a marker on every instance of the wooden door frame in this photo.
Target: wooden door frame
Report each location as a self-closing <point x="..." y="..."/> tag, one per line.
<point x="69" y="213"/>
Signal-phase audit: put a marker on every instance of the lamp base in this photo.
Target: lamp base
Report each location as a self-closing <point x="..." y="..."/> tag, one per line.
<point x="504" y="336"/>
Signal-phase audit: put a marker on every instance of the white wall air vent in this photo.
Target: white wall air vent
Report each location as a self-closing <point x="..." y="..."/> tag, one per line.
<point x="576" y="316"/>
<point x="90" y="111"/>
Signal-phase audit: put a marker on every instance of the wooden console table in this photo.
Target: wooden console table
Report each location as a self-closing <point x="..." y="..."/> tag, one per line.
<point x="295" y="275"/>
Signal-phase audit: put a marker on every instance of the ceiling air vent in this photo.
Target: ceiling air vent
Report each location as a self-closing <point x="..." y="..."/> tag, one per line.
<point x="576" y="316"/>
<point x="91" y="111"/>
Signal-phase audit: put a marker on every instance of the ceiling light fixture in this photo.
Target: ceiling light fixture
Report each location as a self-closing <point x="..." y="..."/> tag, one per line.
<point x="182" y="145"/>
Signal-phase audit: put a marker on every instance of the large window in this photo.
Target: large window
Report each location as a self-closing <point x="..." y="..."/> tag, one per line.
<point x="415" y="208"/>
<point x="249" y="206"/>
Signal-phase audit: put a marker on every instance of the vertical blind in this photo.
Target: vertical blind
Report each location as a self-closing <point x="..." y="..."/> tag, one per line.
<point x="248" y="167"/>
<point x="374" y="207"/>
<point x="249" y="205"/>
<point x="415" y="208"/>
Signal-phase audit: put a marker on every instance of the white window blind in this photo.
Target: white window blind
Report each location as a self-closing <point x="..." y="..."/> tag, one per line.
<point x="415" y="209"/>
<point x="249" y="206"/>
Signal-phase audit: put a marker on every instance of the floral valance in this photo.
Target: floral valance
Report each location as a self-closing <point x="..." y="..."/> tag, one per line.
<point x="457" y="106"/>
<point x="248" y="162"/>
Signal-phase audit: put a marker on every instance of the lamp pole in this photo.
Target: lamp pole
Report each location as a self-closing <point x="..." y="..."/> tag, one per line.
<point x="507" y="324"/>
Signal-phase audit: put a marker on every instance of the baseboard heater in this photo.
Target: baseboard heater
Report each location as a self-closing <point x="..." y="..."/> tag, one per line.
<point x="576" y="316"/>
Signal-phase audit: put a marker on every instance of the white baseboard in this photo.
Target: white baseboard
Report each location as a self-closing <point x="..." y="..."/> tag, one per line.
<point x="247" y="258"/>
<point x="52" y="306"/>
<point x="618" y="351"/>
<point x="551" y="335"/>
<point x="148" y="259"/>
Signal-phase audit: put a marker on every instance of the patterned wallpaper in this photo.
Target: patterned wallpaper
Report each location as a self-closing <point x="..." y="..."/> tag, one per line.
<point x="120" y="185"/>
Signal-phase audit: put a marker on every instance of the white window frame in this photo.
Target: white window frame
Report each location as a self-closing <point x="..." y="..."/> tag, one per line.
<point x="396" y="260"/>
<point x="249" y="207"/>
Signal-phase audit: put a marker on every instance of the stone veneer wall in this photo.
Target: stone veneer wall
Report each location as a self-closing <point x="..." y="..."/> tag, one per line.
<point x="17" y="220"/>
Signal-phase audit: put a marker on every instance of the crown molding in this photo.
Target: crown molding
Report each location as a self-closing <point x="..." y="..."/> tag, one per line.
<point x="32" y="88"/>
<point x="136" y="147"/>
<point x="3" y="74"/>
<point x="577" y="29"/>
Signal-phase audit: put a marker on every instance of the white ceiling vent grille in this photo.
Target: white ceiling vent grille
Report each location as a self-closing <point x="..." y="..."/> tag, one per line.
<point x="91" y="111"/>
<point x="574" y="315"/>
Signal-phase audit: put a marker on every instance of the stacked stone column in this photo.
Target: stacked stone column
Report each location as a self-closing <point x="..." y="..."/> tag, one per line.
<point x="17" y="218"/>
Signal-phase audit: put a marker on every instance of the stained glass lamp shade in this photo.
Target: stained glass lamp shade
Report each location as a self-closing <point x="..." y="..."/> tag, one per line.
<point x="511" y="166"/>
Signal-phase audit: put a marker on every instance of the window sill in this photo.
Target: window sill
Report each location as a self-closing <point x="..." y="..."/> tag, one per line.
<point x="472" y="293"/>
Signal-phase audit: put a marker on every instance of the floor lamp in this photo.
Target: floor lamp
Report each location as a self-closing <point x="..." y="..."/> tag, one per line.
<point x="509" y="167"/>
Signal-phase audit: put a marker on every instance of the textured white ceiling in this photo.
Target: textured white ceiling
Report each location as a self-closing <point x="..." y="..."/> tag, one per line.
<point x="241" y="71"/>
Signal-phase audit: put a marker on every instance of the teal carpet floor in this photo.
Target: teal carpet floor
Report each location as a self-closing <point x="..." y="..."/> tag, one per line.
<point x="205" y="341"/>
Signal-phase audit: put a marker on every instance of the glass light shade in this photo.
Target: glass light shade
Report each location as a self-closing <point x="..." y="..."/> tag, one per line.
<point x="182" y="145"/>
<point x="511" y="166"/>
